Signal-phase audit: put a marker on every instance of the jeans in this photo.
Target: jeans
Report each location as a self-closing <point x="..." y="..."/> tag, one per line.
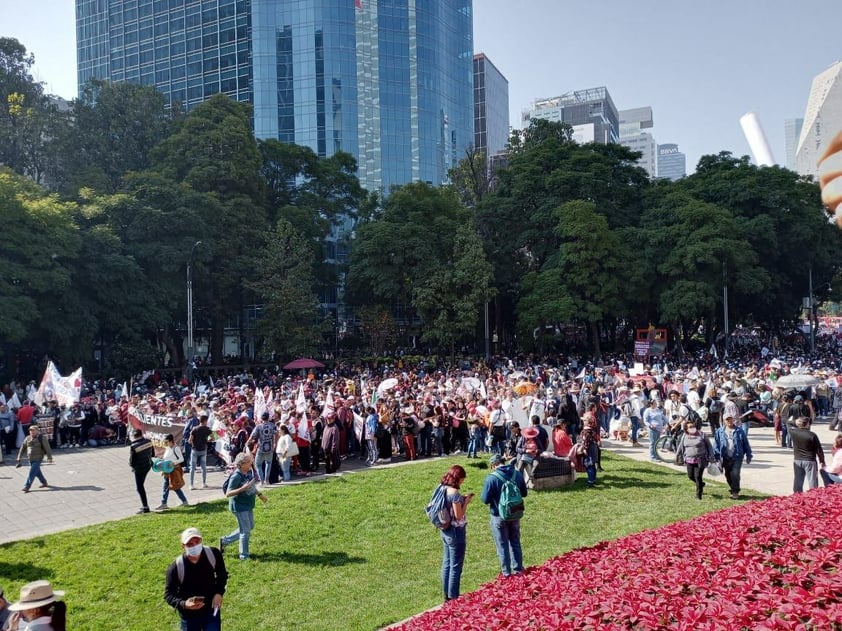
<point x="245" y="524"/>
<point x="425" y="440"/>
<point x="830" y="478"/>
<point x="206" y="622"/>
<point x="34" y="472"/>
<point x="786" y="439"/>
<point x="654" y="436"/>
<point x="199" y="458"/>
<point x="186" y="449"/>
<point x="165" y="492"/>
<point x="371" y="450"/>
<point x="805" y="469"/>
<point x="263" y="465"/>
<point x="590" y="469"/>
<point x="732" y="467"/>
<point x="695" y="471"/>
<point x="635" y="423"/>
<point x="438" y="434"/>
<point x="506" y="535"/>
<point x="454" y="541"/>
<point x="473" y="444"/>
<point x="286" y="463"/>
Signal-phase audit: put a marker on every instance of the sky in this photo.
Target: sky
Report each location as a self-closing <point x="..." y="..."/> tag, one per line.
<point x="699" y="65"/>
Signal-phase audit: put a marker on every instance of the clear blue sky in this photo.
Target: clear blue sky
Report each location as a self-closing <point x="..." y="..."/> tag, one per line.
<point x="700" y="65"/>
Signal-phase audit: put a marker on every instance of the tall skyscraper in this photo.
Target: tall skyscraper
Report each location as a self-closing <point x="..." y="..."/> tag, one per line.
<point x="389" y="81"/>
<point x="672" y="164"/>
<point x="822" y="119"/>
<point x="491" y="107"/>
<point x="632" y="124"/>
<point x="792" y="132"/>
<point x="591" y="113"/>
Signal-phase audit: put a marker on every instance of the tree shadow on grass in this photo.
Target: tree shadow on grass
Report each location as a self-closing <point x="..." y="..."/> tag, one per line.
<point x="25" y="572"/>
<point x="325" y="559"/>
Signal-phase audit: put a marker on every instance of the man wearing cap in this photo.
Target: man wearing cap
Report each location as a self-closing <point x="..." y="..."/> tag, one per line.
<point x="506" y="534"/>
<point x="265" y="437"/>
<point x="38" y="609"/>
<point x="730" y="444"/>
<point x="36" y="446"/>
<point x="195" y="584"/>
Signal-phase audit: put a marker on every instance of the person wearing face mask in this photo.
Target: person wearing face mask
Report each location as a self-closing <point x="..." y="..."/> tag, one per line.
<point x="697" y="452"/>
<point x="195" y="584"/>
<point x="38" y="609"/>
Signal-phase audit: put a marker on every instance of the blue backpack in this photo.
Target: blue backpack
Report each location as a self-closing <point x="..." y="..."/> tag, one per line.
<point x="438" y="510"/>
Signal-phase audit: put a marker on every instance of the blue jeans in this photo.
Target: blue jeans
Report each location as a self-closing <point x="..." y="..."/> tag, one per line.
<point x="473" y="444"/>
<point x="285" y="465"/>
<point x="805" y="469"/>
<point x="34" y="472"/>
<point x="371" y="450"/>
<point x="263" y="465"/>
<point x="454" y="541"/>
<point x="199" y="459"/>
<point x="654" y="436"/>
<point x="205" y="622"/>
<point x="590" y="469"/>
<point x="635" y="423"/>
<point x="165" y="492"/>
<point x="245" y="524"/>
<point x="830" y="478"/>
<point x="438" y="434"/>
<point x="506" y="535"/>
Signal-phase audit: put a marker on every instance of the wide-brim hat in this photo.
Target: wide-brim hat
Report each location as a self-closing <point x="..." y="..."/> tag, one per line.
<point x="530" y="432"/>
<point x="34" y="595"/>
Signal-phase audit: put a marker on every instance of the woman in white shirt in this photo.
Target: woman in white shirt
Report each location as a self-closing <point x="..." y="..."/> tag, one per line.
<point x="286" y="449"/>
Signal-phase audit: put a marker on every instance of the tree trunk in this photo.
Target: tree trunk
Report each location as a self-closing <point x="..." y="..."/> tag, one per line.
<point x="595" y="339"/>
<point x="217" y="338"/>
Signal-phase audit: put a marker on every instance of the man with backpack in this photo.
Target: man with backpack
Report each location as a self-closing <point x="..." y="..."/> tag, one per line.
<point x="36" y="447"/>
<point x="196" y="582"/>
<point x="264" y="437"/>
<point x="503" y="491"/>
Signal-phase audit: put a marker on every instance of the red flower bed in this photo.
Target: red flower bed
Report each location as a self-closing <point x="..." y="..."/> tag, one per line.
<point x="762" y="565"/>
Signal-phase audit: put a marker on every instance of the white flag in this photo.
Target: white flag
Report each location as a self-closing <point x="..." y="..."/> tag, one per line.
<point x="329" y="407"/>
<point x="14" y="402"/>
<point x="300" y="401"/>
<point x="713" y="351"/>
<point x="259" y="404"/>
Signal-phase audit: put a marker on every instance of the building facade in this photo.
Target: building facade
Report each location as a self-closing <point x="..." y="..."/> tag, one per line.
<point x="389" y="81"/>
<point x="633" y="122"/>
<point x="672" y="164"/>
<point x="822" y="119"/>
<point x="491" y="108"/>
<point x="792" y="132"/>
<point x="591" y="113"/>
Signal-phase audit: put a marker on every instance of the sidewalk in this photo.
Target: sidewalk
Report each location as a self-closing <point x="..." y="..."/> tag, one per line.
<point x="94" y="485"/>
<point x="770" y="471"/>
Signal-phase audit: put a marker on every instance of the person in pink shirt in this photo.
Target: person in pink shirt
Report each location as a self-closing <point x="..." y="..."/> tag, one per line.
<point x="832" y="473"/>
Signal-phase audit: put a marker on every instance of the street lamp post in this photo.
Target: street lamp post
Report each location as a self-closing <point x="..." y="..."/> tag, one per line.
<point x="190" y="348"/>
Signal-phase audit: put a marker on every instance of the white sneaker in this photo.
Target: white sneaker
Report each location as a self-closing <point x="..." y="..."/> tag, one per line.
<point x="204" y="486"/>
<point x="192" y="488"/>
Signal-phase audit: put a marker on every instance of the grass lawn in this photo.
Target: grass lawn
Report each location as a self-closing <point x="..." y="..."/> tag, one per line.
<point x="353" y="552"/>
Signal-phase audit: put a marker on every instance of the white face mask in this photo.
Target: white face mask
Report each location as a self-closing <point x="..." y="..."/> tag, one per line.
<point x="194" y="551"/>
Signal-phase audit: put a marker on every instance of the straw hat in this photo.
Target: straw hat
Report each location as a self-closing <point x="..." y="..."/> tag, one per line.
<point x="34" y="595"/>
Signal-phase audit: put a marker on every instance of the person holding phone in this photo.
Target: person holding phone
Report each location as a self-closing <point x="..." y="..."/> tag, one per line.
<point x="196" y="583"/>
<point x="242" y="492"/>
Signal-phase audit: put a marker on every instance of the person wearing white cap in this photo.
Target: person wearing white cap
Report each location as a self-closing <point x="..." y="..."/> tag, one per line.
<point x="196" y="582"/>
<point x="38" y="609"/>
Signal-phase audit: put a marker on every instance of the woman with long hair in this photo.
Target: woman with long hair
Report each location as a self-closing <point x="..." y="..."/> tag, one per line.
<point x="454" y="537"/>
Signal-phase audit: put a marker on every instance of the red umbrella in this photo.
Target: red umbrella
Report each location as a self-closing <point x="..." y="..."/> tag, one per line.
<point x="303" y="363"/>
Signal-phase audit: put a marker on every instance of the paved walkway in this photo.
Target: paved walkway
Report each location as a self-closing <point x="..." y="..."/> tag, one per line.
<point x="94" y="485"/>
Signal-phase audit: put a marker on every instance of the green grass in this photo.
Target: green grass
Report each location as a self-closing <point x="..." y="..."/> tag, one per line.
<point x="354" y="552"/>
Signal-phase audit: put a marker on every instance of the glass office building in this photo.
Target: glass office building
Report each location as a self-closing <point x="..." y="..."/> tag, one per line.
<point x="672" y="164"/>
<point x="491" y="108"/>
<point x="389" y="81"/>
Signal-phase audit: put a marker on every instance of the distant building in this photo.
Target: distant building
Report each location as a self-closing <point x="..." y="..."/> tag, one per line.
<point x="591" y="113"/>
<point x="388" y="81"/>
<point x="792" y="132"/>
<point x="672" y="164"/>
<point x="822" y="119"/>
<point x="491" y="108"/>
<point x="632" y="124"/>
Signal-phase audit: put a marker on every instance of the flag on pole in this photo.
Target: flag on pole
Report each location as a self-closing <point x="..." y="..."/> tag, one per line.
<point x="329" y="408"/>
<point x="259" y="404"/>
<point x="300" y="401"/>
<point x="14" y="403"/>
<point x="482" y="391"/>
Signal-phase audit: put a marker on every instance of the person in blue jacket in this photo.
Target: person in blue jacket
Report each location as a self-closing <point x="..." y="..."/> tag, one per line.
<point x="506" y="534"/>
<point x="730" y="447"/>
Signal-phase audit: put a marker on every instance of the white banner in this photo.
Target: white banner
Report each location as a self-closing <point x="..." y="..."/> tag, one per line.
<point x="65" y="390"/>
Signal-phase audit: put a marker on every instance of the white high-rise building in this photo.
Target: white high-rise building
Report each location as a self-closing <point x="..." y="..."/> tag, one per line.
<point x="822" y="119"/>
<point x="792" y="132"/>
<point x="632" y="124"/>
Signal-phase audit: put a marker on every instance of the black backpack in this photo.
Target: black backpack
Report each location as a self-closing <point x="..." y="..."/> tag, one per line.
<point x="693" y="417"/>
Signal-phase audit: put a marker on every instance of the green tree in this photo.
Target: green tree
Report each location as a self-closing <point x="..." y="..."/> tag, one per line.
<point x="290" y="323"/>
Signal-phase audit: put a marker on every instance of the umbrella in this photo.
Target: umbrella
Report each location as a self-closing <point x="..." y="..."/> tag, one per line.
<point x="387" y="384"/>
<point x="796" y="382"/>
<point x="525" y="387"/>
<point x="304" y="362"/>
